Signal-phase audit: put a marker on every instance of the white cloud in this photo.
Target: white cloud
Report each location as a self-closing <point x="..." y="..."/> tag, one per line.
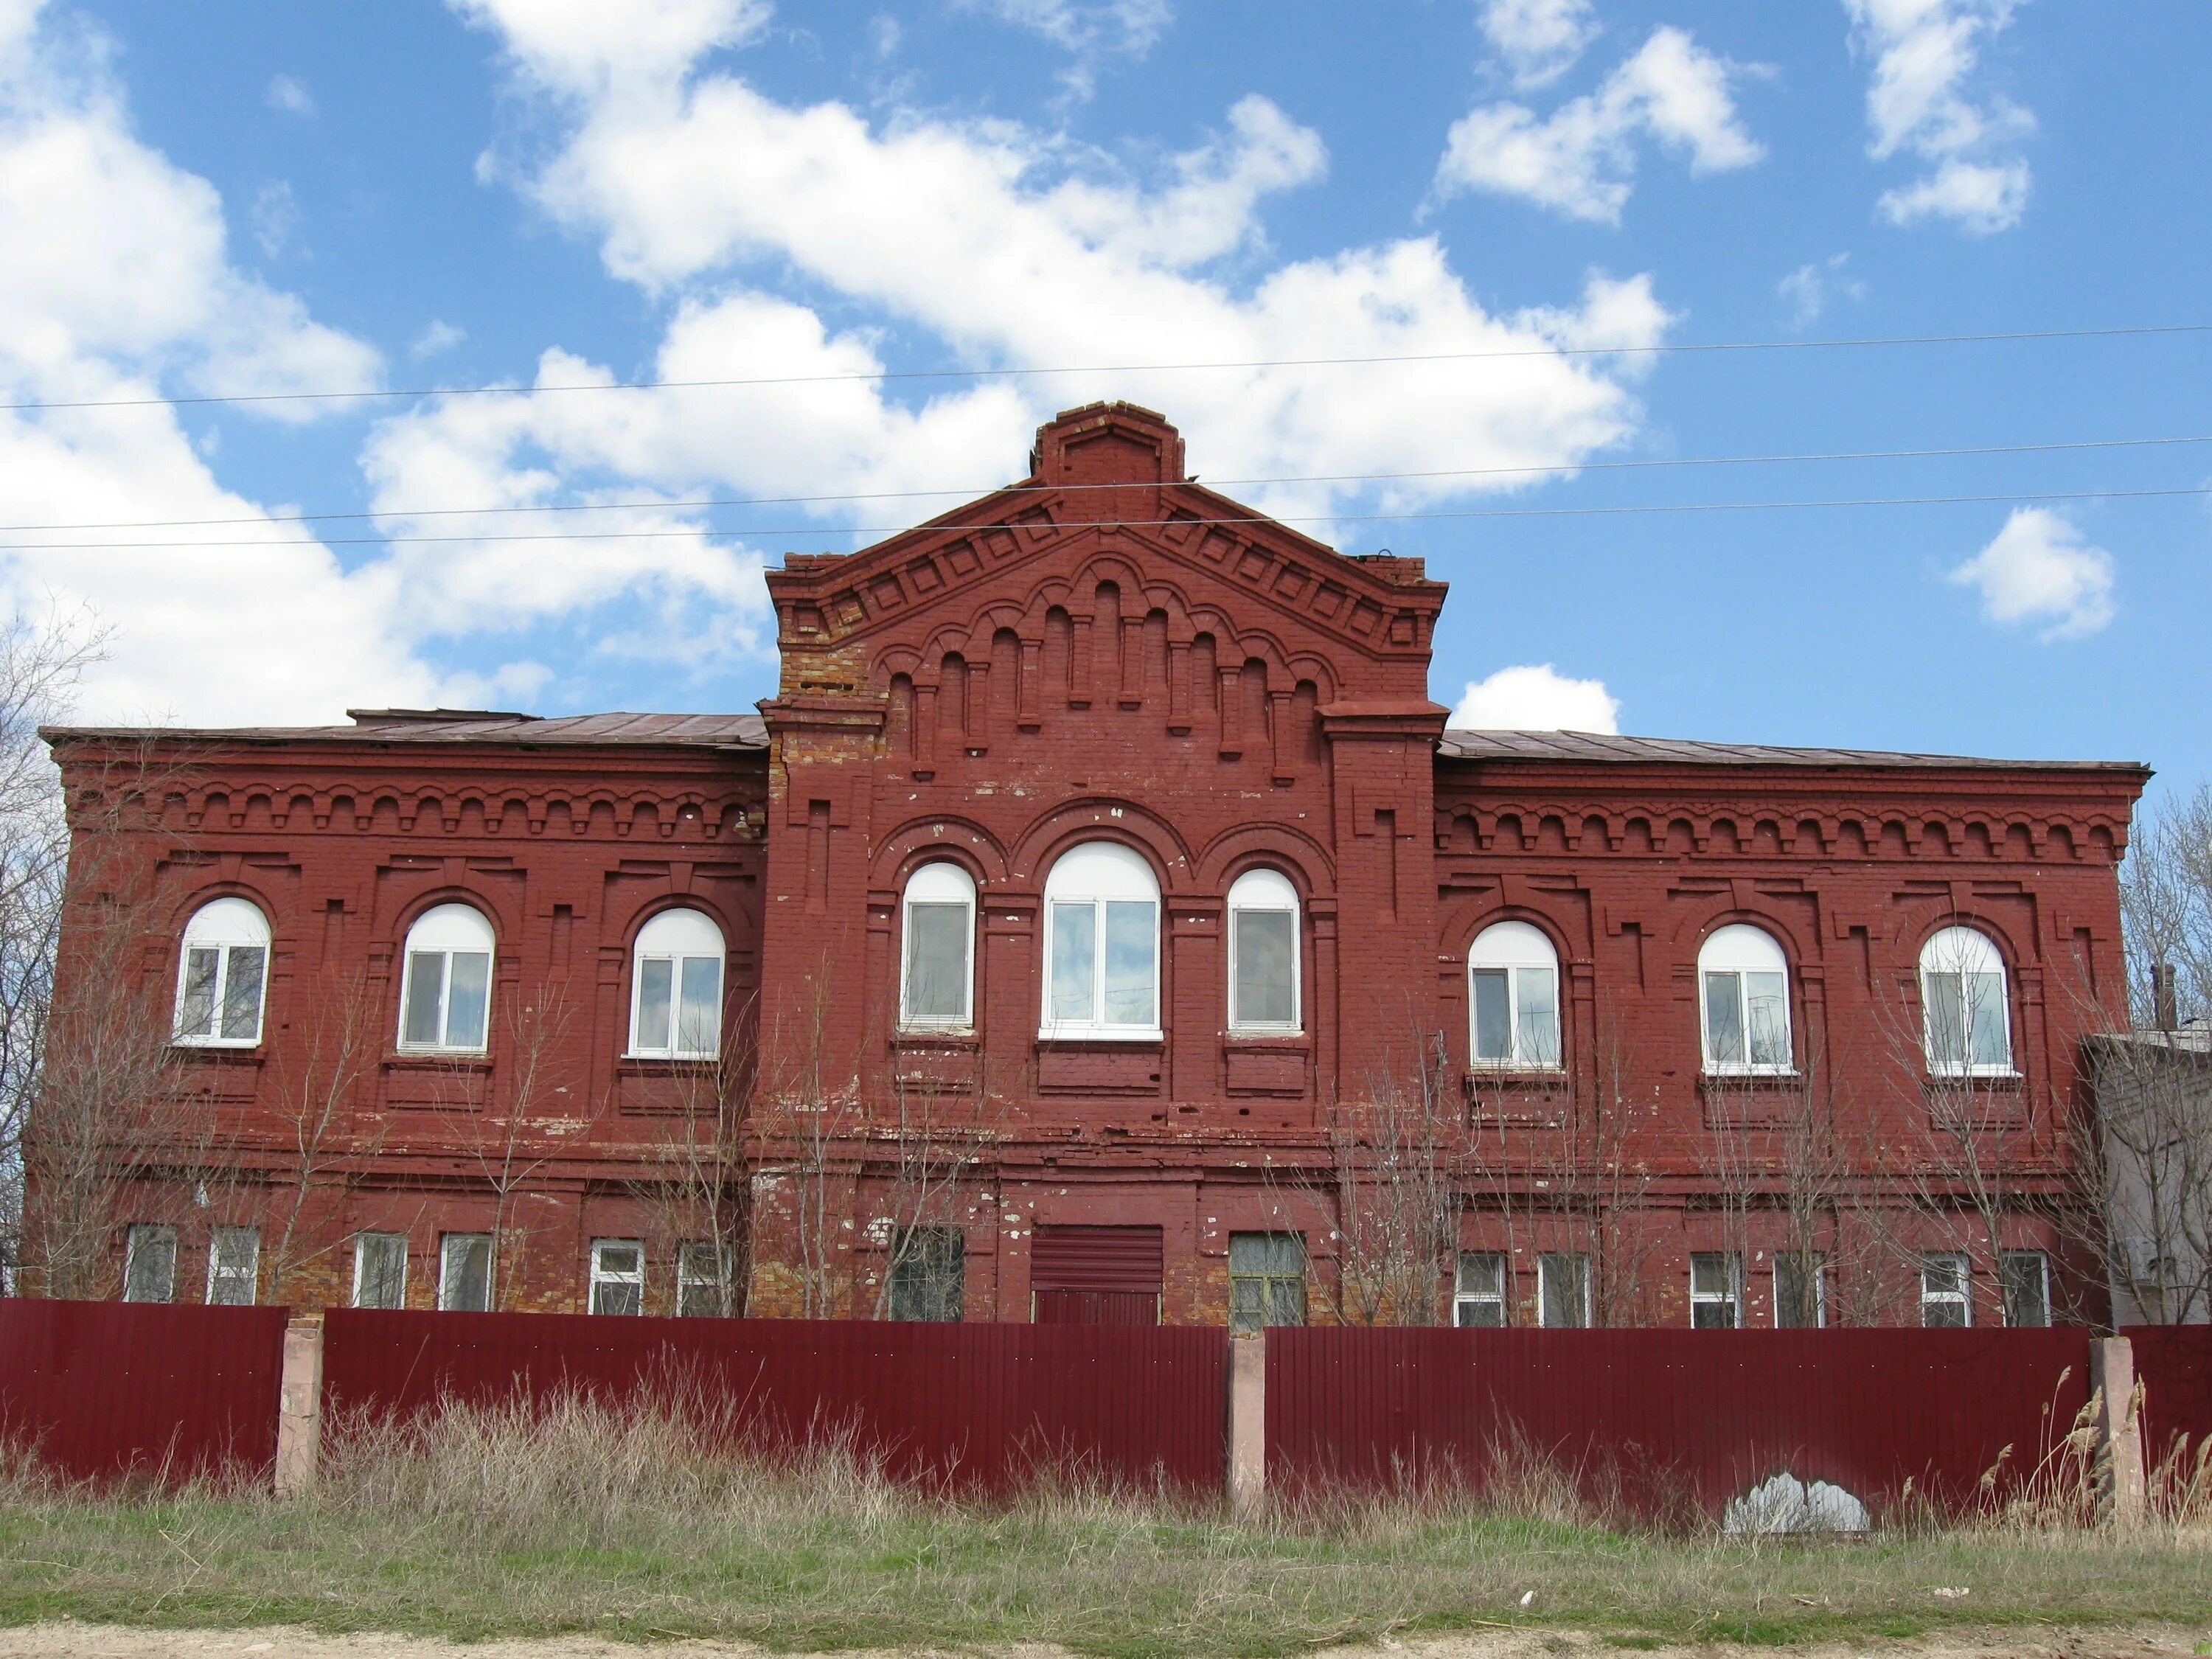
<point x="439" y="337"/>
<point x="2040" y="569"/>
<point x="1926" y="52"/>
<point x="1581" y="160"/>
<point x="1536" y="698"/>
<point x="1811" y="288"/>
<point x="288" y="95"/>
<point x="1006" y="245"/>
<point x="1087" y="26"/>
<point x="275" y="218"/>
<point x="1539" y="40"/>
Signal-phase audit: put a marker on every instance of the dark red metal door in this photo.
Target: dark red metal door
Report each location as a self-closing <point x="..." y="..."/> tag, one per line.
<point x="1096" y="1275"/>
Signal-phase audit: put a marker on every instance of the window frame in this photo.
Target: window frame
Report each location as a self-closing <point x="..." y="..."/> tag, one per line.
<point x="1820" y="1261"/>
<point x="438" y="916"/>
<point x="674" y="919"/>
<point x="960" y="887"/>
<point x="1515" y="947"/>
<point x="445" y="1244"/>
<point x="1545" y="1269"/>
<point x="1273" y="1282"/>
<point x="1265" y="890"/>
<point x="1974" y="953"/>
<point x="206" y="929"/>
<point x="2007" y="1260"/>
<point x="1097" y="874"/>
<point x="136" y="1236"/>
<point x="1962" y="1298"/>
<point x="613" y="1279"/>
<point x="689" y="1280"/>
<point x="361" y="1243"/>
<point x="1731" y="1262"/>
<point x="1464" y="1300"/>
<point x="911" y="1260"/>
<point x="218" y="1274"/>
<point x="1730" y="949"/>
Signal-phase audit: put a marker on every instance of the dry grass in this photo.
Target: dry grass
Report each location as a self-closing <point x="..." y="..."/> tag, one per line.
<point x="477" y="1521"/>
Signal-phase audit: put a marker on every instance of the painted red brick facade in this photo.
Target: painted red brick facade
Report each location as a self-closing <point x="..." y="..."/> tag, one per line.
<point x="1108" y="652"/>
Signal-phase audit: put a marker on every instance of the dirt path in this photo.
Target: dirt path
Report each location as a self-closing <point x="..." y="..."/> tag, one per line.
<point x="75" y="1641"/>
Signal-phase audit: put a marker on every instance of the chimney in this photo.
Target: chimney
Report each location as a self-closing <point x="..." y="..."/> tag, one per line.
<point x="2165" y="1001"/>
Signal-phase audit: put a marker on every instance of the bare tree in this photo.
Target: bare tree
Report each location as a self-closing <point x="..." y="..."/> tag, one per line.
<point x="696" y="1182"/>
<point x="804" y="1128"/>
<point x="943" y="1133"/>
<point x="2166" y="910"/>
<point x="324" y="1153"/>
<point x="1395" y="1201"/>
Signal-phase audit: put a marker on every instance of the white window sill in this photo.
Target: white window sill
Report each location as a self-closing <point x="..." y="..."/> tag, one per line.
<point x="405" y="1052"/>
<point x="1101" y="1034"/>
<point x="231" y="1045"/>
<point x="1264" y="1033"/>
<point x="963" y="1028"/>
<point x="663" y="1056"/>
<point x="1502" y="1068"/>
<point x="1972" y="1074"/>
<point x="1752" y="1074"/>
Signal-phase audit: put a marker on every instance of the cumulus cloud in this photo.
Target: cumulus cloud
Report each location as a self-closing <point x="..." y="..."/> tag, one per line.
<point x="1538" y="40"/>
<point x="1007" y="245"/>
<point x="1581" y="160"/>
<point x="1810" y="289"/>
<point x="437" y="337"/>
<point x="2040" y="569"/>
<point x="1925" y="53"/>
<point x="1537" y="698"/>
<point x="288" y="95"/>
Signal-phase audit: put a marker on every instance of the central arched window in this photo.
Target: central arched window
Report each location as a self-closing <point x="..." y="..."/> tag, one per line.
<point x="937" y="949"/>
<point x="222" y="975"/>
<point x="444" y="992"/>
<point x="1513" y="997"/>
<point x="1962" y="994"/>
<point x="1263" y="953"/>
<point x="676" y="987"/>
<point x="1102" y="945"/>
<point x="1743" y="984"/>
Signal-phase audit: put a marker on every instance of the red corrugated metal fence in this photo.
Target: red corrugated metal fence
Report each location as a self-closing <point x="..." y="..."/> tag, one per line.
<point x="108" y="1388"/>
<point x="2173" y="1364"/>
<point x="1710" y="1413"/>
<point x="983" y="1403"/>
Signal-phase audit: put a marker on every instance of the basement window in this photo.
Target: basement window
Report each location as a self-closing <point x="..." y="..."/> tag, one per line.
<point x="464" y="1272"/>
<point x="929" y="1274"/>
<point x="1478" y="1297"/>
<point x="150" y="1263"/>
<point x="618" y="1276"/>
<point x="1563" y="1290"/>
<point x="380" y="1270"/>
<point x="1945" y="1298"/>
<point x="2026" y="1275"/>
<point x="702" y="1280"/>
<point x="1716" y="1290"/>
<point x="233" y="1267"/>
<point x="222" y="977"/>
<point x="1800" y="1291"/>
<point x="1266" y="1280"/>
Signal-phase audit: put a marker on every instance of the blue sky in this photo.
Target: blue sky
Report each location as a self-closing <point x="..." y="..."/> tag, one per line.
<point x="220" y="199"/>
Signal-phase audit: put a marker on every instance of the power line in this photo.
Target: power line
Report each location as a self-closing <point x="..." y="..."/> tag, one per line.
<point x="1548" y="470"/>
<point x="363" y="392"/>
<point x="1136" y="524"/>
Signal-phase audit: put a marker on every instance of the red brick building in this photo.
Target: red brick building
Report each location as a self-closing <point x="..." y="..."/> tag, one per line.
<point x="1100" y="922"/>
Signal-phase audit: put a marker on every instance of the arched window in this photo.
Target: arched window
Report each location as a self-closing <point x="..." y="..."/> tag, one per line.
<point x="445" y="994"/>
<point x="1263" y="953"/>
<point x="222" y="974"/>
<point x="1962" y="994"/>
<point x="1513" y="986"/>
<point x="676" y="987"/>
<point x="1102" y="945"/>
<point x="1743" y="984"/>
<point x="938" y="939"/>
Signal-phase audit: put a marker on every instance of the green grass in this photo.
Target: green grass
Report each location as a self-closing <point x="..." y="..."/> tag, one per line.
<point x="484" y="1525"/>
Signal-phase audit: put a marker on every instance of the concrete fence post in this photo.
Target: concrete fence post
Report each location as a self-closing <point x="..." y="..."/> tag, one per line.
<point x="1247" y="1425"/>
<point x="299" y="1408"/>
<point x="2121" y="1497"/>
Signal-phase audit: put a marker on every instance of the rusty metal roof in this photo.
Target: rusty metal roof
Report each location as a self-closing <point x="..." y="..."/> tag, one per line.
<point x="1587" y="747"/>
<point x="470" y="726"/>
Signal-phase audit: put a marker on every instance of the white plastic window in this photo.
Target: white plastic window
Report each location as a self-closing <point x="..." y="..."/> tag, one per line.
<point x="676" y="987"/>
<point x="1101" y="946"/>
<point x="1743" y="985"/>
<point x="1478" y="1295"/>
<point x="1263" y="953"/>
<point x="233" y="1267"/>
<point x="1716" y="1290"/>
<point x="150" y="1263"/>
<point x="702" y="1280"/>
<point x="618" y="1276"/>
<point x="380" y="1270"/>
<point x="1945" y="1298"/>
<point x="445" y="993"/>
<point x="464" y="1272"/>
<point x="222" y="975"/>
<point x="1962" y="994"/>
<point x="1513" y="998"/>
<point x="937" y="949"/>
